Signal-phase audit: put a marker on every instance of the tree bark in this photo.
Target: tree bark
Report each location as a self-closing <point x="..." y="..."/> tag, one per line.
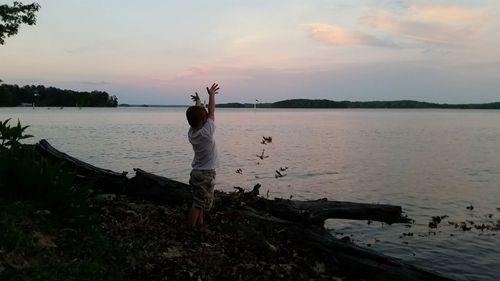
<point x="315" y="212"/>
<point x="99" y="178"/>
<point x="157" y="188"/>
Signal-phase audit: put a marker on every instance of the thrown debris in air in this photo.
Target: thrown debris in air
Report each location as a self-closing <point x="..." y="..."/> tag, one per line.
<point x="262" y="156"/>
<point x="266" y="140"/>
<point x="278" y="174"/>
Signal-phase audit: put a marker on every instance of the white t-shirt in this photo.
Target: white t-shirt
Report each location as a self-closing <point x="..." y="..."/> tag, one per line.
<point x="205" y="150"/>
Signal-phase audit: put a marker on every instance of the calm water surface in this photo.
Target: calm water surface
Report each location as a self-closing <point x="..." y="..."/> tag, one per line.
<point x="431" y="162"/>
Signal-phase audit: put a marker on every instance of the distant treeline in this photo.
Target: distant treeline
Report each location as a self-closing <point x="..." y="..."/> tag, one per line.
<point x="243" y="105"/>
<point x="309" y="103"/>
<point x="306" y="103"/>
<point x="13" y="95"/>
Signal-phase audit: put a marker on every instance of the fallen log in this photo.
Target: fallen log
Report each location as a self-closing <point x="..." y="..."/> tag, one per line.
<point x="147" y="185"/>
<point x="354" y="261"/>
<point x="104" y="179"/>
<point x="315" y="212"/>
<point x="156" y="188"/>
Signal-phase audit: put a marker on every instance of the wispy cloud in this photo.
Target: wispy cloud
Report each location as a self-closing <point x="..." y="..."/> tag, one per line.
<point x="201" y="73"/>
<point x="427" y="24"/>
<point x="98" y="83"/>
<point x="335" y="35"/>
<point x="448" y="25"/>
<point x="447" y="14"/>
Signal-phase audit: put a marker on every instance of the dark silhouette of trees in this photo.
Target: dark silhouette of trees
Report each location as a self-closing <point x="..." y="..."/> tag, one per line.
<point x="307" y="103"/>
<point x="13" y="95"/>
<point x="11" y="17"/>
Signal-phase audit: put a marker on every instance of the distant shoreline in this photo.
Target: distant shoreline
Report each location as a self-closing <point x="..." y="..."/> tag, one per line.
<point x="324" y="103"/>
<point x="151" y="105"/>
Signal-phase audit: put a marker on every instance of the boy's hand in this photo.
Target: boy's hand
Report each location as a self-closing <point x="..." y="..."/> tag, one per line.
<point x="213" y="90"/>
<point x="195" y="98"/>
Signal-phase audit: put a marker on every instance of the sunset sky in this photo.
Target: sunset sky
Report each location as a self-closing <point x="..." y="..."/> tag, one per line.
<point x="160" y="52"/>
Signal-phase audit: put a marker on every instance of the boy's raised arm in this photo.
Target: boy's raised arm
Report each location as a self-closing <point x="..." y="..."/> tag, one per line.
<point x="211" y="100"/>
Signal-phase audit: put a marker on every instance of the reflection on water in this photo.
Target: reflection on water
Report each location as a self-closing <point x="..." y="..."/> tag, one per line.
<point x="431" y="162"/>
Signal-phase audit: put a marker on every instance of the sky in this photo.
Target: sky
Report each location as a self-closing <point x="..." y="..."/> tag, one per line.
<point x="160" y="52"/>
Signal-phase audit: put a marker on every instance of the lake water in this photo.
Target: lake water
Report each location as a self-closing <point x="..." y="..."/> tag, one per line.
<point x="431" y="162"/>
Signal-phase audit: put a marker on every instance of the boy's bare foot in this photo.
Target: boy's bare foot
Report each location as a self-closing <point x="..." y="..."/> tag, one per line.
<point x="203" y="229"/>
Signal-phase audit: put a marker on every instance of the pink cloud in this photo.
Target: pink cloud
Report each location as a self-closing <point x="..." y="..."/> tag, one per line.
<point x="449" y="14"/>
<point x="335" y="35"/>
<point x="449" y="25"/>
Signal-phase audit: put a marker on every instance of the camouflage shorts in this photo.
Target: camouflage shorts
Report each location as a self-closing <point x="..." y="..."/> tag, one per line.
<point x="203" y="183"/>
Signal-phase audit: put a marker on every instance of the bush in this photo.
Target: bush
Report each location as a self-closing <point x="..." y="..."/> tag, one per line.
<point x="31" y="185"/>
<point x="10" y="137"/>
<point x="26" y="176"/>
<point x="12" y="220"/>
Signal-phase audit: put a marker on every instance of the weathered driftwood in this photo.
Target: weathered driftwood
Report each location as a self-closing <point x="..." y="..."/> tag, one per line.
<point x="356" y="262"/>
<point x="158" y="189"/>
<point x="104" y="179"/>
<point x="147" y="185"/>
<point x="290" y="216"/>
<point x="317" y="211"/>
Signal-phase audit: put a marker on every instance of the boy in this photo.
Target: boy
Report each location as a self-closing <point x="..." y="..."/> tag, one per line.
<point x="201" y="137"/>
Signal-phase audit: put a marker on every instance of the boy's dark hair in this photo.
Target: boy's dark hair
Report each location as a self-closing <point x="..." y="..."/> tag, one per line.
<point x="196" y="115"/>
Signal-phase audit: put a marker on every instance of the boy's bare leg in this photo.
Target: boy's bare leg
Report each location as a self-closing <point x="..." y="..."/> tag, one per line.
<point x="200" y="218"/>
<point x="194" y="216"/>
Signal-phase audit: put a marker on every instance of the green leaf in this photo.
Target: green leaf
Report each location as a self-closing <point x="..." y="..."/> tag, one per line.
<point x="26" y="136"/>
<point x="10" y="136"/>
<point x="4" y="123"/>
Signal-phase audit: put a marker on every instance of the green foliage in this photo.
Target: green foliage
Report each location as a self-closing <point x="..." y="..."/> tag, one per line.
<point x="11" y="17"/>
<point x="26" y="176"/>
<point x="12" y="220"/>
<point x="49" y="187"/>
<point x="10" y="136"/>
<point x="13" y="95"/>
<point x="77" y="270"/>
<point x="81" y="254"/>
<point x="38" y="197"/>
